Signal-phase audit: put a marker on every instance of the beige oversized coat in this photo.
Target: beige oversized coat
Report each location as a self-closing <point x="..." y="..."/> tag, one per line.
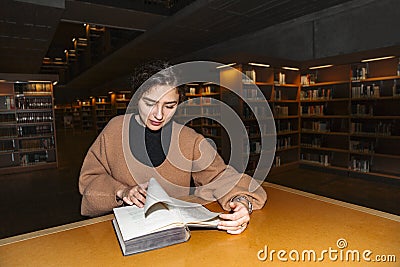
<point x="109" y="166"/>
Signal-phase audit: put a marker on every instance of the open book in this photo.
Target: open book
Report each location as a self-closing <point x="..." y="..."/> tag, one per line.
<point x="163" y="221"/>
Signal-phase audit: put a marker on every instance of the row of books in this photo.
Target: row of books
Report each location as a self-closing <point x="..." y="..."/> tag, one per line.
<point x="362" y="146"/>
<point x="27" y="144"/>
<point x="33" y="158"/>
<point x="102" y="113"/>
<point x="362" y="109"/>
<point x="208" y="121"/>
<point x="311" y="141"/>
<point x="34" y="102"/>
<point x="249" y="77"/>
<point x="260" y="111"/>
<point x="201" y="101"/>
<point x="359" y="73"/>
<point x="317" y="126"/>
<point x="252" y="130"/>
<point x="312" y="110"/>
<point x="396" y="88"/>
<point x="322" y="159"/>
<point x="26" y="131"/>
<point x="379" y="128"/>
<point x="210" y="131"/>
<point x="316" y="94"/>
<point x="284" y="142"/>
<point x="7" y="102"/>
<point x="257" y="130"/>
<point x="254" y="147"/>
<point x="40" y="143"/>
<point x="197" y="110"/>
<point x="307" y="79"/>
<point x="103" y="107"/>
<point x="365" y="91"/>
<point x="35" y="130"/>
<point x="361" y="165"/>
<point x="252" y="93"/>
<point x="21" y="88"/>
<point x="283" y="126"/>
<point x="279" y="78"/>
<point x="210" y="89"/>
<point x="34" y="117"/>
<point x="212" y="110"/>
<point x="281" y="110"/>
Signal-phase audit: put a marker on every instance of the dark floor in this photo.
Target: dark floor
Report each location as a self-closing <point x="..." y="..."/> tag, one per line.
<point x="42" y="199"/>
<point x="45" y="198"/>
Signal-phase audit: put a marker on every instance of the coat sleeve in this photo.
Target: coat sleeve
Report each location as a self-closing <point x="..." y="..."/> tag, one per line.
<point x="96" y="183"/>
<point x="217" y="181"/>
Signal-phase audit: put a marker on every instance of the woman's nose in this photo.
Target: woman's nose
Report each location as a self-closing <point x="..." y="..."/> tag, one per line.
<point x="158" y="112"/>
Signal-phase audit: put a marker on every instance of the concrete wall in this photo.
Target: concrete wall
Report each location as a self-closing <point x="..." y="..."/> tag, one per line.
<point x="347" y="28"/>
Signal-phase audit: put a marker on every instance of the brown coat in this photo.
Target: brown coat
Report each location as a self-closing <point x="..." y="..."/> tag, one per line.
<point x="106" y="169"/>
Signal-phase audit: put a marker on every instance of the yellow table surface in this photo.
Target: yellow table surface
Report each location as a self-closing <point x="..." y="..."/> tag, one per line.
<point x="291" y="221"/>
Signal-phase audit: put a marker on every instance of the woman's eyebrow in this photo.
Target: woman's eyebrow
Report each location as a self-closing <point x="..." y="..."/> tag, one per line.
<point x="155" y="101"/>
<point x="149" y="99"/>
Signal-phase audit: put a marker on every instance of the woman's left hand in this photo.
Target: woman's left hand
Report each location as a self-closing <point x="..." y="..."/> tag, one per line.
<point x="236" y="222"/>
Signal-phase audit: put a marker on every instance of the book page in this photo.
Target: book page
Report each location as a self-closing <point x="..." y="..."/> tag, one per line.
<point x="194" y="214"/>
<point x="161" y="212"/>
<point x="190" y="213"/>
<point x="155" y="215"/>
<point x="155" y="194"/>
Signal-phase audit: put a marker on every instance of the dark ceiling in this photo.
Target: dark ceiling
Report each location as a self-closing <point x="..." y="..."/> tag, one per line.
<point x="34" y="35"/>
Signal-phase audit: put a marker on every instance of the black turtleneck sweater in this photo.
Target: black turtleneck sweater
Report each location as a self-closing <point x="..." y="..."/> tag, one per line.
<point x="147" y="146"/>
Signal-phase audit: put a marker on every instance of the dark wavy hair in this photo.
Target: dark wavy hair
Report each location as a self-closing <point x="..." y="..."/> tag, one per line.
<point x="150" y="74"/>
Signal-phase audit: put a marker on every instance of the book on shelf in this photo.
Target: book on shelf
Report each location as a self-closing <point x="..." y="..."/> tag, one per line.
<point x="163" y="221"/>
<point x="279" y="78"/>
<point x="308" y="79"/>
<point x="250" y="77"/>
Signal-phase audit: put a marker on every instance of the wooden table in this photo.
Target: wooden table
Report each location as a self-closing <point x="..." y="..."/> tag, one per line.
<point x="292" y="221"/>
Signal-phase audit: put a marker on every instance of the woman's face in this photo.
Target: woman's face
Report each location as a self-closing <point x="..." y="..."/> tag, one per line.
<point x="157" y="106"/>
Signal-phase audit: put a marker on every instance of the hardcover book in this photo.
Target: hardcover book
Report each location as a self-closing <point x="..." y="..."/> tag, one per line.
<point x="163" y="221"/>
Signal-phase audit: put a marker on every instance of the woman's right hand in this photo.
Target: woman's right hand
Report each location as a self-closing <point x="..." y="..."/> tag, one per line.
<point x="135" y="195"/>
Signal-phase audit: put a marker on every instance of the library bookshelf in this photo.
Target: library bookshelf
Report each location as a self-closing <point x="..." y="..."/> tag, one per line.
<point x="201" y="113"/>
<point x="92" y="114"/>
<point x="344" y="118"/>
<point x="103" y="112"/>
<point x="280" y="88"/>
<point x="27" y="125"/>
<point x="350" y="119"/>
<point x="87" y="115"/>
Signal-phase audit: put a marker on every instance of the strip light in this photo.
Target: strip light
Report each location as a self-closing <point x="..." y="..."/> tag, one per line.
<point x="320" y="67"/>
<point x="225" y="66"/>
<point x="259" y="64"/>
<point x="290" y="68"/>
<point x="377" y="58"/>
